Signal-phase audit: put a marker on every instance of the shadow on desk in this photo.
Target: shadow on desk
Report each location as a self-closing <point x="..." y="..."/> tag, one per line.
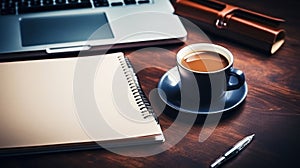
<point x="199" y="119"/>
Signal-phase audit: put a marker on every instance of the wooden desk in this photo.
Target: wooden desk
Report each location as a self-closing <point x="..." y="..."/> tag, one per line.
<point x="271" y="109"/>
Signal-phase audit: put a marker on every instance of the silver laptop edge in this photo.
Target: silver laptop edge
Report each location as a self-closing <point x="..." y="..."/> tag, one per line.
<point x="121" y="27"/>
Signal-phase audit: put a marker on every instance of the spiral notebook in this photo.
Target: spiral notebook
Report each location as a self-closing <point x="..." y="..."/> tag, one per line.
<point x="73" y="103"/>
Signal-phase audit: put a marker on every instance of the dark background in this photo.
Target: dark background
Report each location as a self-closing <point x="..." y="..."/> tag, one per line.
<point x="271" y="109"/>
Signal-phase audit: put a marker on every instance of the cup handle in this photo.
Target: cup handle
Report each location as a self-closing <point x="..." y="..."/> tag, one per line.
<point x="239" y="75"/>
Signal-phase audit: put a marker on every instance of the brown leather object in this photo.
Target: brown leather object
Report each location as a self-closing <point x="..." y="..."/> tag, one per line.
<point x="251" y="28"/>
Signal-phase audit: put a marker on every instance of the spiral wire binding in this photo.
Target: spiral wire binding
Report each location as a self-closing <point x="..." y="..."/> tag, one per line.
<point x="138" y="94"/>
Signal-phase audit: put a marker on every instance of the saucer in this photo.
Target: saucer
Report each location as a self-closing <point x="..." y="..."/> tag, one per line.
<point x="169" y="92"/>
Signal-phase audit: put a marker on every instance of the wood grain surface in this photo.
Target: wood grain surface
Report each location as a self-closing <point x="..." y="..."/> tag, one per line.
<point x="271" y="109"/>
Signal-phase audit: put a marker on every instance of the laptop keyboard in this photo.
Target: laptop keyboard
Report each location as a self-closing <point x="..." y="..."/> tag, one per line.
<point x="13" y="7"/>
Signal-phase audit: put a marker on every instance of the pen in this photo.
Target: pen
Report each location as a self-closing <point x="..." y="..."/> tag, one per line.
<point x="233" y="151"/>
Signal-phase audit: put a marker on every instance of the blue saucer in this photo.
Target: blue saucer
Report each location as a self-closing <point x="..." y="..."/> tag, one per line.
<point x="169" y="92"/>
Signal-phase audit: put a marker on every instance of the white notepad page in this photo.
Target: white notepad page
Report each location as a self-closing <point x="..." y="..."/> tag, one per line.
<point x="70" y="100"/>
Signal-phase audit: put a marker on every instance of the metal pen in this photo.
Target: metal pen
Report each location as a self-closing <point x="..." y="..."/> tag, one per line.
<point x="233" y="151"/>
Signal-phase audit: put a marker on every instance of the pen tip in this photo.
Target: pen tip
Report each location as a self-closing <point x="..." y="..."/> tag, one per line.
<point x="252" y="135"/>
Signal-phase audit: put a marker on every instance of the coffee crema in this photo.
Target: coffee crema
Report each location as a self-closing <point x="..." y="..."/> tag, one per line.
<point x="204" y="61"/>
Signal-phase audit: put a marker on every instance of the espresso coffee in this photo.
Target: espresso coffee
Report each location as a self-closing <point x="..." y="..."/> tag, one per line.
<point x="205" y="61"/>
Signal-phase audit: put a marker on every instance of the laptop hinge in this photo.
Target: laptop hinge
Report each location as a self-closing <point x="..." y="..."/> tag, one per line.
<point x="68" y="49"/>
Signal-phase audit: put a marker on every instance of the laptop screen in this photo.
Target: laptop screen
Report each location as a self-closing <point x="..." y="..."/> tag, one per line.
<point x="61" y="29"/>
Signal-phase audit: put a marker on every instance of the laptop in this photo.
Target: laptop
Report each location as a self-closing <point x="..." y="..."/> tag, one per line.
<point x="57" y="26"/>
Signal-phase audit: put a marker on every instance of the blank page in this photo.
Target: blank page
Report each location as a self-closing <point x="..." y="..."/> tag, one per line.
<point x="69" y="100"/>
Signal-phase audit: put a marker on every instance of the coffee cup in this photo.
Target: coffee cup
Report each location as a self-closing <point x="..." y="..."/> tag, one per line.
<point x="206" y="74"/>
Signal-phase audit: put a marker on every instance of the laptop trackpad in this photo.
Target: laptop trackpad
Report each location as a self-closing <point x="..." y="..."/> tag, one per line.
<point x="62" y="29"/>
